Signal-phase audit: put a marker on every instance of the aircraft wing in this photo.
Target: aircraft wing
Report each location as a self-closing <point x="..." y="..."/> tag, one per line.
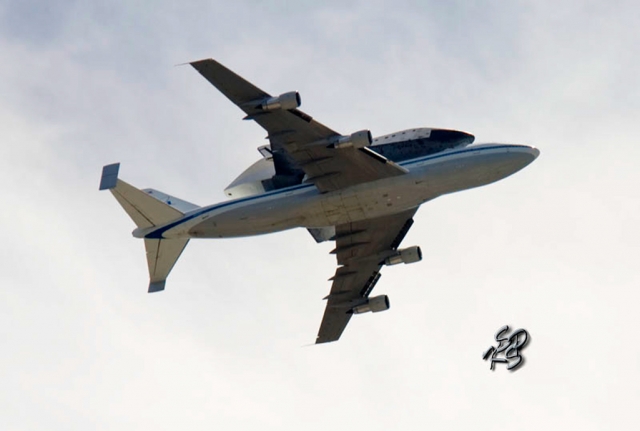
<point x="297" y="141"/>
<point x="361" y="249"/>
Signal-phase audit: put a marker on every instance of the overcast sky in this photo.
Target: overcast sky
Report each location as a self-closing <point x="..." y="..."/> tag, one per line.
<point x="553" y="249"/>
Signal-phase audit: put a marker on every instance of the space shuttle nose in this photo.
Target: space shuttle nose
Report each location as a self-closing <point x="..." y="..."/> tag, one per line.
<point x="465" y="137"/>
<point x="454" y="137"/>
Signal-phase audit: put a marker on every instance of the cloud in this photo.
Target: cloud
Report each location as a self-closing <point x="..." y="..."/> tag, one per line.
<point x="550" y="249"/>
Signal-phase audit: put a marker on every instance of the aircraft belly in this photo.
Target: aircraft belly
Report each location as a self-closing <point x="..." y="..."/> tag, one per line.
<point x="311" y="209"/>
<point x="375" y="199"/>
<point x="342" y="207"/>
<point x="361" y="202"/>
<point x="257" y="218"/>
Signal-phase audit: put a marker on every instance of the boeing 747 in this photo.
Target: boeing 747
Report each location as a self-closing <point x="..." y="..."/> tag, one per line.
<point x="359" y="192"/>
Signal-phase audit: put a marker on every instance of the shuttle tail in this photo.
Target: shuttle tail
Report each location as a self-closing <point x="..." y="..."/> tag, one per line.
<point x="148" y="208"/>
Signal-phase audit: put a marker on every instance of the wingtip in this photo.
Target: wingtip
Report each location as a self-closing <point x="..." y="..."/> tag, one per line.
<point x="323" y="341"/>
<point x="192" y="63"/>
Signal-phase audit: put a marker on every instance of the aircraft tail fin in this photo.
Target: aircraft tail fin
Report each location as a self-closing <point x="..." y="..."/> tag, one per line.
<point x="149" y="208"/>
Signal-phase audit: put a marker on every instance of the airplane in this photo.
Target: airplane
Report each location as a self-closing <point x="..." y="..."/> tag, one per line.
<point x="362" y="193"/>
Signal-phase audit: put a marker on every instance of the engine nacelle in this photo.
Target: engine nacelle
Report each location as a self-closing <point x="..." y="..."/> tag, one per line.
<point x="375" y="304"/>
<point x="357" y="140"/>
<point x="290" y="100"/>
<point x="406" y="255"/>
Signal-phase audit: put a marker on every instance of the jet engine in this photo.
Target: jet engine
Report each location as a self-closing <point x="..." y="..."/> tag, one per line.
<point x="357" y="140"/>
<point x="375" y="304"/>
<point x="290" y="100"/>
<point x="406" y="255"/>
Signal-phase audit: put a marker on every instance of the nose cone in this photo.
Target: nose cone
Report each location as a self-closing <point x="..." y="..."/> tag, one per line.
<point x="465" y="137"/>
<point x="521" y="156"/>
<point x="532" y="154"/>
<point x="507" y="159"/>
<point x="535" y="152"/>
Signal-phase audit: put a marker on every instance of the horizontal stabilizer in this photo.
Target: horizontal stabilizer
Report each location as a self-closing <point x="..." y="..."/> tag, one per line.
<point x="172" y="201"/>
<point x="149" y="208"/>
<point x="162" y="255"/>
<point x="144" y="209"/>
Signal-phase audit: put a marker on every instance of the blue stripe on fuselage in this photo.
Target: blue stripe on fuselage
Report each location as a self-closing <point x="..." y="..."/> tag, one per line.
<point x="157" y="234"/>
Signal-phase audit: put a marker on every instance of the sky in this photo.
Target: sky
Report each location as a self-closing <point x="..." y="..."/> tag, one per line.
<point x="553" y="249"/>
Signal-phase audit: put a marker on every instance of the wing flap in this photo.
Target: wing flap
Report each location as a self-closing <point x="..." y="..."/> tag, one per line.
<point x="323" y="233"/>
<point x="361" y="248"/>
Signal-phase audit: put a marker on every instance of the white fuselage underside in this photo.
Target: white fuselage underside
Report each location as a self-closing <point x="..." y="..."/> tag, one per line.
<point x="303" y="206"/>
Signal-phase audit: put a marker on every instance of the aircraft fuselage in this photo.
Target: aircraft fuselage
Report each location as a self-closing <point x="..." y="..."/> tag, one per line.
<point x="303" y="206"/>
